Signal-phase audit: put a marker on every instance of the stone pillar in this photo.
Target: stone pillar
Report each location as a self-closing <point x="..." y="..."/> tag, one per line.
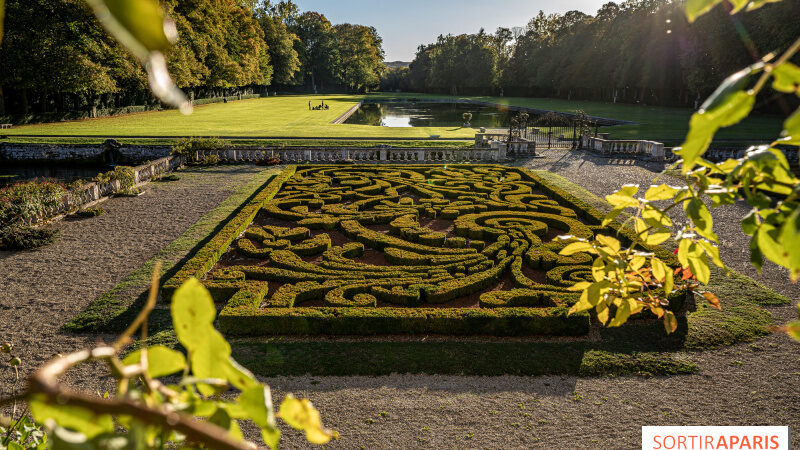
<point x="658" y="151"/>
<point x="502" y="151"/>
<point x="383" y="154"/>
<point x="307" y="154"/>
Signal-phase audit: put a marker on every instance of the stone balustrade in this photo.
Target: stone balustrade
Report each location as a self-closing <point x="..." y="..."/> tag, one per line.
<point x="722" y="154"/>
<point x="93" y="192"/>
<point x="625" y="148"/>
<point x="368" y="155"/>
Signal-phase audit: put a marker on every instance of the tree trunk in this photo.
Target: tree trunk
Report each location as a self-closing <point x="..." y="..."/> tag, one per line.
<point x="26" y="107"/>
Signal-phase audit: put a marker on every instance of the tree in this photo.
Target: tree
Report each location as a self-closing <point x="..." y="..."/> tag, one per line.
<point x="360" y="56"/>
<point x="280" y="41"/>
<point x="316" y="47"/>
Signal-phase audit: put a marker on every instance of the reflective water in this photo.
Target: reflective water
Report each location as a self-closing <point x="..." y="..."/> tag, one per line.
<point x="429" y="115"/>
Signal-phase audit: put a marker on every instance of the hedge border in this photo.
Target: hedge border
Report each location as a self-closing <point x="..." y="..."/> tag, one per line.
<point x="245" y="318"/>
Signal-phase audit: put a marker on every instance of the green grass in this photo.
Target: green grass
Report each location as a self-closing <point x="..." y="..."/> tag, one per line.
<point x="288" y="116"/>
<point x="112" y="311"/>
<point x="250" y="142"/>
<point x="453" y="358"/>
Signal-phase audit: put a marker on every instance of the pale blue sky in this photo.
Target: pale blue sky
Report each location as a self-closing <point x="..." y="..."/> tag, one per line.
<point x="404" y="24"/>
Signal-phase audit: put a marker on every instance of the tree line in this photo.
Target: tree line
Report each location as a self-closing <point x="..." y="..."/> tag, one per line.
<point x="55" y="57"/>
<point x="639" y="51"/>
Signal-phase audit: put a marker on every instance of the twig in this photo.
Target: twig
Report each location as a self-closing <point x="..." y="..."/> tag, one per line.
<point x="44" y="382"/>
<point x="125" y="337"/>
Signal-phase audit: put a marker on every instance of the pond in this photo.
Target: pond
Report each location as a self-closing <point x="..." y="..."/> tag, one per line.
<point x="429" y="115"/>
<point x="12" y="172"/>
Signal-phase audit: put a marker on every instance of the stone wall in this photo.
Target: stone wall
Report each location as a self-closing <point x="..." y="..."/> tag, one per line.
<point x="81" y="153"/>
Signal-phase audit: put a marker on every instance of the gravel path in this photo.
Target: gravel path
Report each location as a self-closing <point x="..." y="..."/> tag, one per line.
<point x="40" y="290"/>
<point x="748" y="384"/>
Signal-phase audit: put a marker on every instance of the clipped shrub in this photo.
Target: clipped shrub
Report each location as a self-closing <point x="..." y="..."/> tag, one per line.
<point x="89" y="212"/>
<point x="190" y="146"/>
<point x="16" y="237"/>
<point x="125" y="175"/>
<point x="499" y="231"/>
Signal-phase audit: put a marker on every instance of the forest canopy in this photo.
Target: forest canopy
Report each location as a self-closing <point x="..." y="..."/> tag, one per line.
<point x="56" y="57"/>
<point x="638" y="51"/>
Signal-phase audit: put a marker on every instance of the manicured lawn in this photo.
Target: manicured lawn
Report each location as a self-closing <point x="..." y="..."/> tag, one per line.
<point x="282" y="116"/>
<point x="288" y="116"/>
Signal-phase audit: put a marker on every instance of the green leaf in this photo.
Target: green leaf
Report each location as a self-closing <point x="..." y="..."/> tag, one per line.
<point x="661" y="192"/>
<point x="135" y="22"/>
<point x="705" y="123"/>
<point x="193" y="313"/>
<point x="696" y="8"/>
<point x="161" y="361"/>
<point x="791" y="127"/>
<point x="698" y="212"/>
<point x="655" y="217"/>
<point x="659" y="268"/>
<point x="754" y="4"/>
<point x="768" y="241"/>
<point x="611" y="216"/>
<point x="700" y="268"/>
<point x="622" y="314"/>
<point x="786" y="78"/>
<point x="712" y="251"/>
<point x="790" y="241"/>
<point x="257" y="403"/>
<point x="77" y="419"/>
<point x="756" y="256"/>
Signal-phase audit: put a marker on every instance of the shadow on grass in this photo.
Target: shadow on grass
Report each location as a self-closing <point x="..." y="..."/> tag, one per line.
<point x="641" y="349"/>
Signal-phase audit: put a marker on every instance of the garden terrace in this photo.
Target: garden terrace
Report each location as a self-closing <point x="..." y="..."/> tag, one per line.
<point x="467" y="249"/>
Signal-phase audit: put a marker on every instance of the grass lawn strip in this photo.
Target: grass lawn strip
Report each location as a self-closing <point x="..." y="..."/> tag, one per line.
<point x="288" y="116"/>
<point x="111" y="310"/>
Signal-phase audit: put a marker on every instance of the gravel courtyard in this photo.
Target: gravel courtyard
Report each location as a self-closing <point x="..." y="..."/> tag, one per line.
<point x="753" y="384"/>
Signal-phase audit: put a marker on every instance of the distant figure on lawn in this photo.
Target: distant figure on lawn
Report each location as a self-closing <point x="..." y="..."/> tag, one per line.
<point x="309" y="105"/>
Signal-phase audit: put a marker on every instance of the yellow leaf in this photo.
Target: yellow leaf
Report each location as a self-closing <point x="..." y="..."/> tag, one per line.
<point x="657" y="238"/>
<point x="659" y="269"/>
<point x="670" y="322"/>
<point x="577" y="247"/>
<point x="623" y="198"/>
<point x="609" y="242"/>
<point x="661" y="192"/>
<point x="301" y="415"/>
<point x="712" y="299"/>
<point x="786" y="78"/>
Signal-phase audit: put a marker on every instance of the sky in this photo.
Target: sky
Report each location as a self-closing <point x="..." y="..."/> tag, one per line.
<point x="405" y="24"/>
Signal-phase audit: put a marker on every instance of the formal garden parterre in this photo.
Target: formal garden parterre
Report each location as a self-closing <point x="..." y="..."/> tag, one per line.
<point x="467" y="249"/>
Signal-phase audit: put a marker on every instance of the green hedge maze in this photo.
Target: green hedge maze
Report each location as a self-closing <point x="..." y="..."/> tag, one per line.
<point x="357" y="250"/>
